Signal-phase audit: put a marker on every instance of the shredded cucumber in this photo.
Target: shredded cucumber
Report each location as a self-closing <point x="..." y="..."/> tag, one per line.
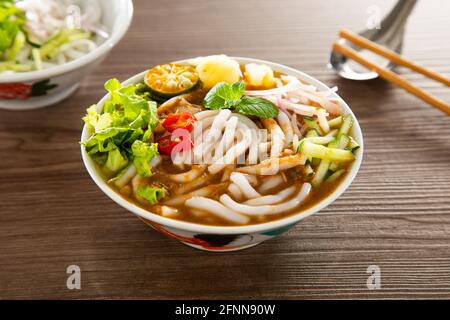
<point x="312" y="124"/>
<point x="312" y="133"/>
<point x="315" y="162"/>
<point x="37" y="58"/>
<point x="336" y="175"/>
<point x="347" y="123"/>
<point x="321" y="172"/>
<point x="332" y="133"/>
<point x="344" y="140"/>
<point x="336" y="122"/>
<point x="327" y="152"/>
<point x="309" y="170"/>
<point x="12" y="66"/>
<point x="317" y="151"/>
<point x="51" y="48"/>
<point x="320" y="140"/>
<point x="353" y="145"/>
<point x="339" y="143"/>
<point x="18" y="44"/>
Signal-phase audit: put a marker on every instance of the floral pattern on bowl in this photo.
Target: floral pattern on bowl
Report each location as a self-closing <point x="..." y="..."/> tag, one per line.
<point x="217" y="242"/>
<point x="23" y="91"/>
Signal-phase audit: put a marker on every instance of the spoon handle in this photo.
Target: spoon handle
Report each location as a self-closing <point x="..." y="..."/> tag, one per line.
<point x="396" y="19"/>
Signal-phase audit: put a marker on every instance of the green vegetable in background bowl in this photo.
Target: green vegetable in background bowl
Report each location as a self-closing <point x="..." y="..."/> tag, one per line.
<point x="48" y="46"/>
<point x="35" y="35"/>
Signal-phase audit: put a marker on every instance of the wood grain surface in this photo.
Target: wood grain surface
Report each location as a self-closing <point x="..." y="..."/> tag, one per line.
<point x="395" y="215"/>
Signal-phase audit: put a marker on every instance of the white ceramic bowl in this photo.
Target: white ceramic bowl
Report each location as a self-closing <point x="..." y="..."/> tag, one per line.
<point x="215" y="238"/>
<point x="116" y="17"/>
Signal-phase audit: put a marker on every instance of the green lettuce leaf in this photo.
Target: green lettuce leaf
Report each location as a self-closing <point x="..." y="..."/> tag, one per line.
<point x="152" y="194"/>
<point x="115" y="162"/>
<point x="112" y="85"/>
<point x="143" y="152"/>
<point x="12" y="20"/>
<point x="119" y="135"/>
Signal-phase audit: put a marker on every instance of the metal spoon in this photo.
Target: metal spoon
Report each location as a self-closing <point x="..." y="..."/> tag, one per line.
<point x="390" y="35"/>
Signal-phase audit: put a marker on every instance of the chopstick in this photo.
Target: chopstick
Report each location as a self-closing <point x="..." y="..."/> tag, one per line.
<point x="390" y="75"/>
<point x="393" y="56"/>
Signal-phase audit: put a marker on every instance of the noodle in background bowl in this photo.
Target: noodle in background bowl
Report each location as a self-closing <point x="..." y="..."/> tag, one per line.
<point x="64" y="79"/>
<point x="228" y="238"/>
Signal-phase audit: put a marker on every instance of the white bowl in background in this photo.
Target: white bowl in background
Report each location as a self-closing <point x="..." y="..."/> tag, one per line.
<point x="65" y="79"/>
<point x="228" y="238"/>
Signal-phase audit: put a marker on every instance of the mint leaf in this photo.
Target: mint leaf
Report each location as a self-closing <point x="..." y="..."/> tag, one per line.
<point x="224" y="95"/>
<point x="259" y="107"/>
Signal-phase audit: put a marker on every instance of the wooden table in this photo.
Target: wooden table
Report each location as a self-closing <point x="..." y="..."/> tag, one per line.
<point x="396" y="214"/>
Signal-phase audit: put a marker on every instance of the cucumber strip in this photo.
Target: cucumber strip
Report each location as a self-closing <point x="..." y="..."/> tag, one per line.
<point x="309" y="171"/>
<point x="37" y="58"/>
<point x="315" y="162"/>
<point x="33" y="41"/>
<point x="312" y="124"/>
<point x="332" y="133"/>
<point x="317" y="151"/>
<point x="336" y="122"/>
<point x="339" y="143"/>
<point x="80" y="36"/>
<point x="335" y="176"/>
<point x="312" y="133"/>
<point x="334" y="166"/>
<point x="55" y="41"/>
<point x="51" y="48"/>
<point x="321" y="172"/>
<point x="18" y="44"/>
<point x="343" y="142"/>
<point x="347" y="123"/>
<point x="353" y="145"/>
<point x="320" y="140"/>
<point x="10" y="66"/>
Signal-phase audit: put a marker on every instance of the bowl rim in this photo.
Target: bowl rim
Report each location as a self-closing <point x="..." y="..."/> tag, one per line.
<point x="123" y="23"/>
<point x="254" y="228"/>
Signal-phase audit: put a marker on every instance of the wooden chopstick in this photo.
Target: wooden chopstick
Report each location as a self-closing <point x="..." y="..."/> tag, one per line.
<point x="392" y="56"/>
<point x="392" y="77"/>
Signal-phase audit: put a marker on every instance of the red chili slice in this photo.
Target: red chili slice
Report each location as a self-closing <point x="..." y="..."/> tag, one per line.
<point x="182" y="120"/>
<point x="167" y="144"/>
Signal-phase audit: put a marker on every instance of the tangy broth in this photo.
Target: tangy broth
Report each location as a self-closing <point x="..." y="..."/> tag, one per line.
<point x="185" y="213"/>
<point x="249" y="146"/>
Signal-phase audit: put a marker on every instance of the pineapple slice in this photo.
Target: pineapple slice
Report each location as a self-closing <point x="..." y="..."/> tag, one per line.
<point x="217" y="68"/>
<point x="259" y="75"/>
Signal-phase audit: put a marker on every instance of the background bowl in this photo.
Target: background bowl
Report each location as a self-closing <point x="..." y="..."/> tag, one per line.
<point x="215" y="238"/>
<point x="63" y="80"/>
